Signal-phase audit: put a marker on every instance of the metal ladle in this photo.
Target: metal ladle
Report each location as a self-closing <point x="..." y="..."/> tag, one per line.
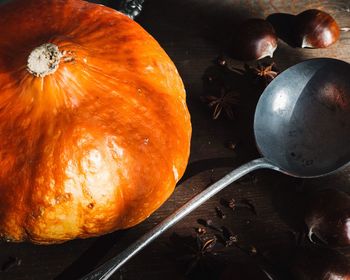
<point x="302" y="128"/>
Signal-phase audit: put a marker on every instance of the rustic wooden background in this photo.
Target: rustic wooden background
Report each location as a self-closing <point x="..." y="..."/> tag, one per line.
<point x="194" y="33"/>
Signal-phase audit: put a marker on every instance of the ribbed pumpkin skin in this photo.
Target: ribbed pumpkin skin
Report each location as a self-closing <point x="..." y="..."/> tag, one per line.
<point x="96" y="146"/>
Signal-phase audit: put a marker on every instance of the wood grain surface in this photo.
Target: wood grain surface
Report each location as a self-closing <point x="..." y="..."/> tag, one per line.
<point x="194" y="33"/>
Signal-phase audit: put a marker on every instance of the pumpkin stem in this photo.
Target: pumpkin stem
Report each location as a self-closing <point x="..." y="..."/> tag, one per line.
<point x="44" y="60"/>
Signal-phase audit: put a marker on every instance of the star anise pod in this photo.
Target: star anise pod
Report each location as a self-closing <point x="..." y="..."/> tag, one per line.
<point x="263" y="72"/>
<point x="225" y="102"/>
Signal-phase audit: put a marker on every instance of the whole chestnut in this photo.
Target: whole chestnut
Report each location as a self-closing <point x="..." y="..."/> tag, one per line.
<point x="327" y="217"/>
<point x="254" y="39"/>
<point x="313" y="263"/>
<point x="315" y="29"/>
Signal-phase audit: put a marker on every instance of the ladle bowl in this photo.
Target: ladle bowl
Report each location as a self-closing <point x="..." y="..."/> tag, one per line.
<point x="302" y="120"/>
<point x="301" y="127"/>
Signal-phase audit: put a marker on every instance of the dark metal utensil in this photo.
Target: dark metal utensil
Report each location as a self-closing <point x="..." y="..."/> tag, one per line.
<point x="302" y="128"/>
<point x="131" y="8"/>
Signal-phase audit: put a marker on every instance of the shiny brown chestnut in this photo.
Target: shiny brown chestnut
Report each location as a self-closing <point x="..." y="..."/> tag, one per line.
<point x="316" y="29"/>
<point x="254" y="39"/>
<point x="327" y="217"/>
<point x="314" y="263"/>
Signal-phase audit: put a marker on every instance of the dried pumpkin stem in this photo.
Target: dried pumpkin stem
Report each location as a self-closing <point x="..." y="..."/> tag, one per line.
<point x="44" y="60"/>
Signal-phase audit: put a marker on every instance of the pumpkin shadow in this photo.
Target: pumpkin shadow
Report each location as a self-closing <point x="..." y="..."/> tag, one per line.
<point x="197" y="167"/>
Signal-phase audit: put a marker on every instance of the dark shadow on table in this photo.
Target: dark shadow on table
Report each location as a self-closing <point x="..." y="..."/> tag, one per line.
<point x="284" y="25"/>
<point x="91" y="257"/>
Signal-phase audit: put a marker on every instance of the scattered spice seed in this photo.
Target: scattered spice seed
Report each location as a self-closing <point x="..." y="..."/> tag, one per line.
<point x="222" y="61"/>
<point x="219" y="212"/>
<point x="253" y="251"/>
<point x="201" y="231"/>
<point x="229" y="63"/>
<point x="229" y="236"/>
<point x="231" y="145"/>
<point x="232" y="204"/>
<point x="231" y="241"/>
<point x="209" y="224"/>
<point x="11" y="263"/>
<point x="244" y="203"/>
<point x="207" y="247"/>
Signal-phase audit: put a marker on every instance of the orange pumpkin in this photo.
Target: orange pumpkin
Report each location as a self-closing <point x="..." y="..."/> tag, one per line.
<point x="94" y="128"/>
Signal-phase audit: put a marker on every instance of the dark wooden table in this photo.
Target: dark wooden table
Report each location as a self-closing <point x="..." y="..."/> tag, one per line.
<point x="194" y="33"/>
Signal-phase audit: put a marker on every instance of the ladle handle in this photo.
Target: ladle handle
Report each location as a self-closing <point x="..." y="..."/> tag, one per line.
<point x="107" y="269"/>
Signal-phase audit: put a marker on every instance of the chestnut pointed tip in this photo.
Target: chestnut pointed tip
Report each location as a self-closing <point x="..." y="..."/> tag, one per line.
<point x="306" y="44"/>
<point x="310" y="234"/>
<point x="272" y="50"/>
<point x="268" y="52"/>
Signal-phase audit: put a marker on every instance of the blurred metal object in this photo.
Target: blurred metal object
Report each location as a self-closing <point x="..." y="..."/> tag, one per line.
<point x="131" y="8"/>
